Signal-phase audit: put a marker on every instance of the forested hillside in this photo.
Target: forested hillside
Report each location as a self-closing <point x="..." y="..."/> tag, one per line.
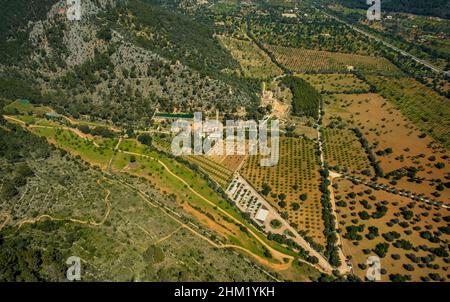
<point x="14" y="19"/>
<point x="122" y="62"/>
<point x="180" y="38"/>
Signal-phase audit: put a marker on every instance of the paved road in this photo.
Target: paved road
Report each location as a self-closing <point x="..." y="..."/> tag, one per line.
<point x="407" y="54"/>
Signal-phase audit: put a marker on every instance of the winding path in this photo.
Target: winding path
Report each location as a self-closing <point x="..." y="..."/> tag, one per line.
<point x="275" y="253"/>
<point x="165" y="210"/>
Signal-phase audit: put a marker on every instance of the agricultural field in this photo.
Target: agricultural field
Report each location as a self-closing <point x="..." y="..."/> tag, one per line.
<point x="305" y="130"/>
<point x="217" y="172"/>
<point x="426" y="108"/>
<point x="336" y="107"/>
<point x="218" y="168"/>
<point x="307" y="29"/>
<point x="229" y="162"/>
<point x="336" y="83"/>
<point x="253" y="61"/>
<point x="410" y="160"/>
<point x="343" y="151"/>
<point x="306" y="60"/>
<point x="409" y="237"/>
<point x="292" y="186"/>
<point x="161" y="142"/>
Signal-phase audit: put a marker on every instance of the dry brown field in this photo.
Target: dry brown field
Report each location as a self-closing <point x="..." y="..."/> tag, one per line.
<point x="419" y="103"/>
<point x="403" y="216"/>
<point x="386" y="127"/>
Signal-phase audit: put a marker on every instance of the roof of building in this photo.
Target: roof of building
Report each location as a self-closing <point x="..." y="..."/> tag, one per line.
<point x="262" y="214"/>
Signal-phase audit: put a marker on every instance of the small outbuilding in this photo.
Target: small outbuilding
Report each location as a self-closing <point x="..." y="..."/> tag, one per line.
<point x="262" y="215"/>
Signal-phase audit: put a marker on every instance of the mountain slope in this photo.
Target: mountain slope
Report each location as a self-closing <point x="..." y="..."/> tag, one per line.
<point x="14" y="19"/>
<point x="123" y="61"/>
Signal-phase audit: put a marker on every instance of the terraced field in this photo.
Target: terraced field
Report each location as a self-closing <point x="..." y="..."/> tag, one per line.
<point x="218" y="173"/>
<point x="98" y="151"/>
<point x="230" y="162"/>
<point x="233" y="162"/>
<point x="161" y="142"/>
<point x="25" y="107"/>
<point x="218" y="168"/>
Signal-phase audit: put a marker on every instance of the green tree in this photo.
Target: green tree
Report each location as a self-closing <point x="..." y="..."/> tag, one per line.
<point x="145" y="139"/>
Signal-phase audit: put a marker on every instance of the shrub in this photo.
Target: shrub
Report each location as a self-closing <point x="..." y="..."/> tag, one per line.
<point x="275" y="223"/>
<point x="381" y="249"/>
<point x="145" y="139"/>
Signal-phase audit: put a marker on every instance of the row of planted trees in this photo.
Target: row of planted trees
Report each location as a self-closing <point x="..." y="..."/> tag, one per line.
<point x="331" y="249"/>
